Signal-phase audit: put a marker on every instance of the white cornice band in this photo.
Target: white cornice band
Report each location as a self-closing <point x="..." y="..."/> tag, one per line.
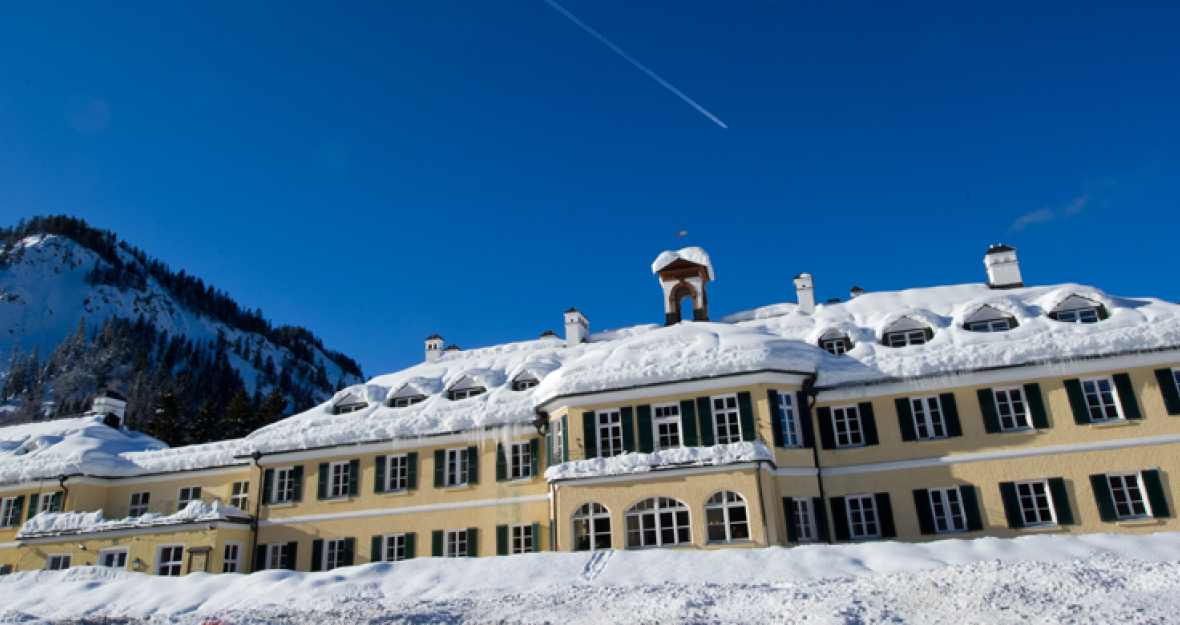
<point x="381" y="512"/>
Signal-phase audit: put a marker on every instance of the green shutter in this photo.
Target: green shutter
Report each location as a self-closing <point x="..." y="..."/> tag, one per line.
<point x="501" y="540"/>
<point x="789" y="517"/>
<point x="297" y="477"/>
<point x="1012" y="508"/>
<point x="565" y="446"/>
<point x="950" y="414"/>
<point x="1167" y="382"/>
<point x="1036" y="406"/>
<point x="840" y="519"/>
<point x="259" y="558"/>
<point x="821" y="519"/>
<point x="436" y="544"/>
<point x="804" y="411"/>
<point x="59" y="501"/>
<point x="991" y="415"/>
<point x="1126" y="390"/>
<point x="32" y="511"/>
<point x="776" y="418"/>
<point x="534" y="457"/>
<point x="1061" y="505"/>
<point x="317" y="555"/>
<point x="292" y="555"/>
<point x="746" y="416"/>
<point x="705" y="414"/>
<point x="268" y="477"/>
<point x="322" y="489"/>
<point x="5" y="569"/>
<point x="1155" y="493"/>
<point x="354" y="478"/>
<point x="646" y="438"/>
<point x="925" y="513"/>
<point x="473" y="465"/>
<point x="472" y="542"/>
<point x="411" y="547"/>
<point x="688" y="423"/>
<point x="376" y="553"/>
<point x="349" y="551"/>
<point x="971" y="508"/>
<point x="1077" y="402"/>
<point x="590" y="435"/>
<point x="501" y="463"/>
<point x="827" y="432"/>
<point x="905" y="420"/>
<point x="1104" y="498"/>
<point x="440" y="468"/>
<point x="627" y="423"/>
<point x="885" y="515"/>
<point x="379" y="479"/>
<point x="552" y="536"/>
<point x="412" y="470"/>
<point x="868" y="423"/>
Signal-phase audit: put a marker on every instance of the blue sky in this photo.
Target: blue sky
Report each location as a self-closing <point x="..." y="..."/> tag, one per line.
<point x="381" y="171"/>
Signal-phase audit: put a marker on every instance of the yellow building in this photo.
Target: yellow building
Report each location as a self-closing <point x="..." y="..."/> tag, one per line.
<point x="961" y="411"/>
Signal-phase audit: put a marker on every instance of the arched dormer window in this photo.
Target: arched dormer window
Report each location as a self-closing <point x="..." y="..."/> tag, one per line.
<point x="988" y="319"/>
<point x="525" y="381"/>
<point x="835" y="342"/>
<point x="907" y="331"/>
<point x="1078" y="310"/>
<point x="465" y="388"/>
<point x="349" y="403"/>
<point x="406" y="396"/>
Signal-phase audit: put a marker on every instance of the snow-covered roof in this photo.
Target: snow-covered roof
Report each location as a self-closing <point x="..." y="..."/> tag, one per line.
<point x="70" y="523"/>
<point x="691" y="254"/>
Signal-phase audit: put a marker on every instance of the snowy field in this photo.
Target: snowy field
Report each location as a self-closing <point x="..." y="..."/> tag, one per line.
<point x="1092" y="579"/>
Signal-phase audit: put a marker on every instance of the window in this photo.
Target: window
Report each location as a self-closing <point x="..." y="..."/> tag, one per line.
<point x="610" y="433"/>
<point x="139" y="504"/>
<point x="658" y="522"/>
<point x="1101" y="399"/>
<point x="786" y="408"/>
<point x="947" y="507"/>
<point x="239" y="495"/>
<point x="113" y="558"/>
<point x="464" y="393"/>
<point x="727" y="420"/>
<point x="1036" y="507"/>
<point x="835" y="347"/>
<point x="1012" y="409"/>
<point x="1129" y="502"/>
<point x="524" y="383"/>
<point x="338" y="479"/>
<point x="667" y="425"/>
<point x="456" y="467"/>
<point x="10" y="511"/>
<point x="333" y="553"/>
<point x="996" y="325"/>
<point x="928" y="418"/>
<point x="187" y="495"/>
<point x="1082" y="315"/>
<point x="397" y="473"/>
<point x="522" y="538"/>
<point x="804" y="520"/>
<point x="231" y="561"/>
<point x="169" y="560"/>
<point x="456" y="544"/>
<point x="725" y="517"/>
<point x="902" y="339"/>
<point x="347" y="408"/>
<point x="846" y="423"/>
<point x="591" y="527"/>
<point x="50" y="502"/>
<point x="283" y="489"/>
<point x="406" y="402"/>
<point x="277" y="556"/>
<point x="57" y="562"/>
<point x="862" y="516"/>
<point x="395" y="548"/>
<point x="520" y="463"/>
<point x="558" y="451"/>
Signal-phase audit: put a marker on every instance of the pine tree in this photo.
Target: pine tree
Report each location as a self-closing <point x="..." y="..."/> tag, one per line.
<point x="205" y="425"/>
<point x="272" y="408"/>
<point x="238" y="418"/>
<point x="164" y="423"/>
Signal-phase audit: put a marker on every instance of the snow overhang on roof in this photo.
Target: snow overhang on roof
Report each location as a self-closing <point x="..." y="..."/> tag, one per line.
<point x="693" y="255"/>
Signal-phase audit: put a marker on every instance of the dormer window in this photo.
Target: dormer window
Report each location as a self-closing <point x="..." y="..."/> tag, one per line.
<point x="464" y="389"/>
<point x="405" y="402"/>
<point x="1078" y="310"/>
<point x="988" y="319"/>
<point x="835" y="342"/>
<point x="905" y="332"/>
<point x="345" y="408"/>
<point x="524" y="382"/>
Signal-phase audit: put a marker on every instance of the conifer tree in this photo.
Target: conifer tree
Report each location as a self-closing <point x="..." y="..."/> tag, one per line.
<point x="272" y="408"/>
<point x="205" y="425"/>
<point x="164" y="423"/>
<point x="238" y="418"/>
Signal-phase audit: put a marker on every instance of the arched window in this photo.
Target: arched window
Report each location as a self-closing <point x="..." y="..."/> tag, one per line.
<point x="658" y="522"/>
<point x="591" y="527"/>
<point x="725" y="517"/>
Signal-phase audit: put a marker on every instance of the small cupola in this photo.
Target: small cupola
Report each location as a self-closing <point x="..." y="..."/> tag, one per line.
<point x="805" y="293"/>
<point x="434" y="347"/>
<point x="112" y="406"/>
<point x="577" y="328"/>
<point x="683" y="275"/>
<point x="1003" y="270"/>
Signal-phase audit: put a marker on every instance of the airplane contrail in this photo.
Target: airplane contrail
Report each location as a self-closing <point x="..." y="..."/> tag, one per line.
<point x="641" y="66"/>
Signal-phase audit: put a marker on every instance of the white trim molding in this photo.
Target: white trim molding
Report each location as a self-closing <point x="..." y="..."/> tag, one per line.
<point x="650" y="393"/>
<point x="656" y="474"/>
<point x="382" y="512"/>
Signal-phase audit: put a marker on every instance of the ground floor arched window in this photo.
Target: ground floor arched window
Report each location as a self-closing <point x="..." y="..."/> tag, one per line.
<point x="591" y="527"/>
<point x="726" y="518"/>
<point x="658" y="522"/>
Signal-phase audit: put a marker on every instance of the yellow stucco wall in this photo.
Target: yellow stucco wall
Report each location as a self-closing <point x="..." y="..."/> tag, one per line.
<point x="144" y="546"/>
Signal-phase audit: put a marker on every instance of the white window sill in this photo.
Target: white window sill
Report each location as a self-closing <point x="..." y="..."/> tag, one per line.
<point x="1110" y="424"/>
<point x="1018" y="432"/>
<point x="1044" y="529"/>
<point x="933" y="440"/>
<point x="521" y="480"/>
<point x="723" y="543"/>
<point x="281" y="504"/>
<point x="457" y="487"/>
<point x="1138" y="522"/>
<point x="843" y="447"/>
<point x="343" y="499"/>
<point x="399" y="492"/>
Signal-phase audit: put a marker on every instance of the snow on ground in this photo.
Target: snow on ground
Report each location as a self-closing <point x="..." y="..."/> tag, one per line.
<point x="1099" y="578"/>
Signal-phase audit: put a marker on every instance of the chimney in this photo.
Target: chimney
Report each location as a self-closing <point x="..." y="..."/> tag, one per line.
<point x="111" y="405"/>
<point x="855" y="292"/>
<point x="577" y="328"/>
<point x="805" y="288"/>
<point x="434" y="345"/>
<point x="1003" y="270"/>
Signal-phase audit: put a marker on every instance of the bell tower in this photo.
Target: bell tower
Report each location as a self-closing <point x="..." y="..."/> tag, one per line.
<point x="683" y="275"/>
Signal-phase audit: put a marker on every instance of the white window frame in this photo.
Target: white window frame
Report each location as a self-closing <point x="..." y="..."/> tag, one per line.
<point x="10" y="513"/>
<point x="727" y="506"/>
<point x="1079" y="315"/>
<point x="608" y="432"/>
<point x="520" y="461"/>
<point x="524" y="383"/>
<point x="907" y="338"/>
<point x="141" y="508"/>
<point x="671" y="421"/>
<point x="397" y="473"/>
<point x="282" y="489"/>
<point x="835" y="347"/>
<point x="455" y="545"/>
<point x="946" y="504"/>
<point x="1027" y="496"/>
<point x="558" y="452"/>
<point x="338" y="479"/>
<point x="58" y="561"/>
<point x="864" y="505"/>
<point x="929" y="418"/>
<point x="193" y="494"/>
<point x="805" y="530"/>
<point x="994" y="325"/>
<point x="521" y="539"/>
<point x="114" y="551"/>
<point x="406" y="402"/>
<point x="589" y="513"/>
<point x="663" y="506"/>
<point x="1126" y="489"/>
<point x="45" y="503"/>
<point x="242" y="496"/>
<point x="396" y="543"/>
<point x="457" y="464"/>
<point x="1008" y="403"/>
<point x="277" y="557"/>
<point x="728" y="431"/>
<point x="1102" y="405"/>
<point x="162" y="566"/>
<point x="234" y="564"/>
<point x="333" y="555"/>
<point x="854" y="434"/>
<point x="792" y="436"/>
<point x="465" y="393"/>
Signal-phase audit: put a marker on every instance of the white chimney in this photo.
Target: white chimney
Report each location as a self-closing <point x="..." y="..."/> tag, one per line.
<point x="805" y="289"/>
<point x="434" y="346"/>
<point x="109" y="402"/>
<point x="1003" y="270"/>
<point x="577" y="328"/>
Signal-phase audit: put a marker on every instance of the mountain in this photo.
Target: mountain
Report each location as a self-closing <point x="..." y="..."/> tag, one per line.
<point x="82" y="311"/>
